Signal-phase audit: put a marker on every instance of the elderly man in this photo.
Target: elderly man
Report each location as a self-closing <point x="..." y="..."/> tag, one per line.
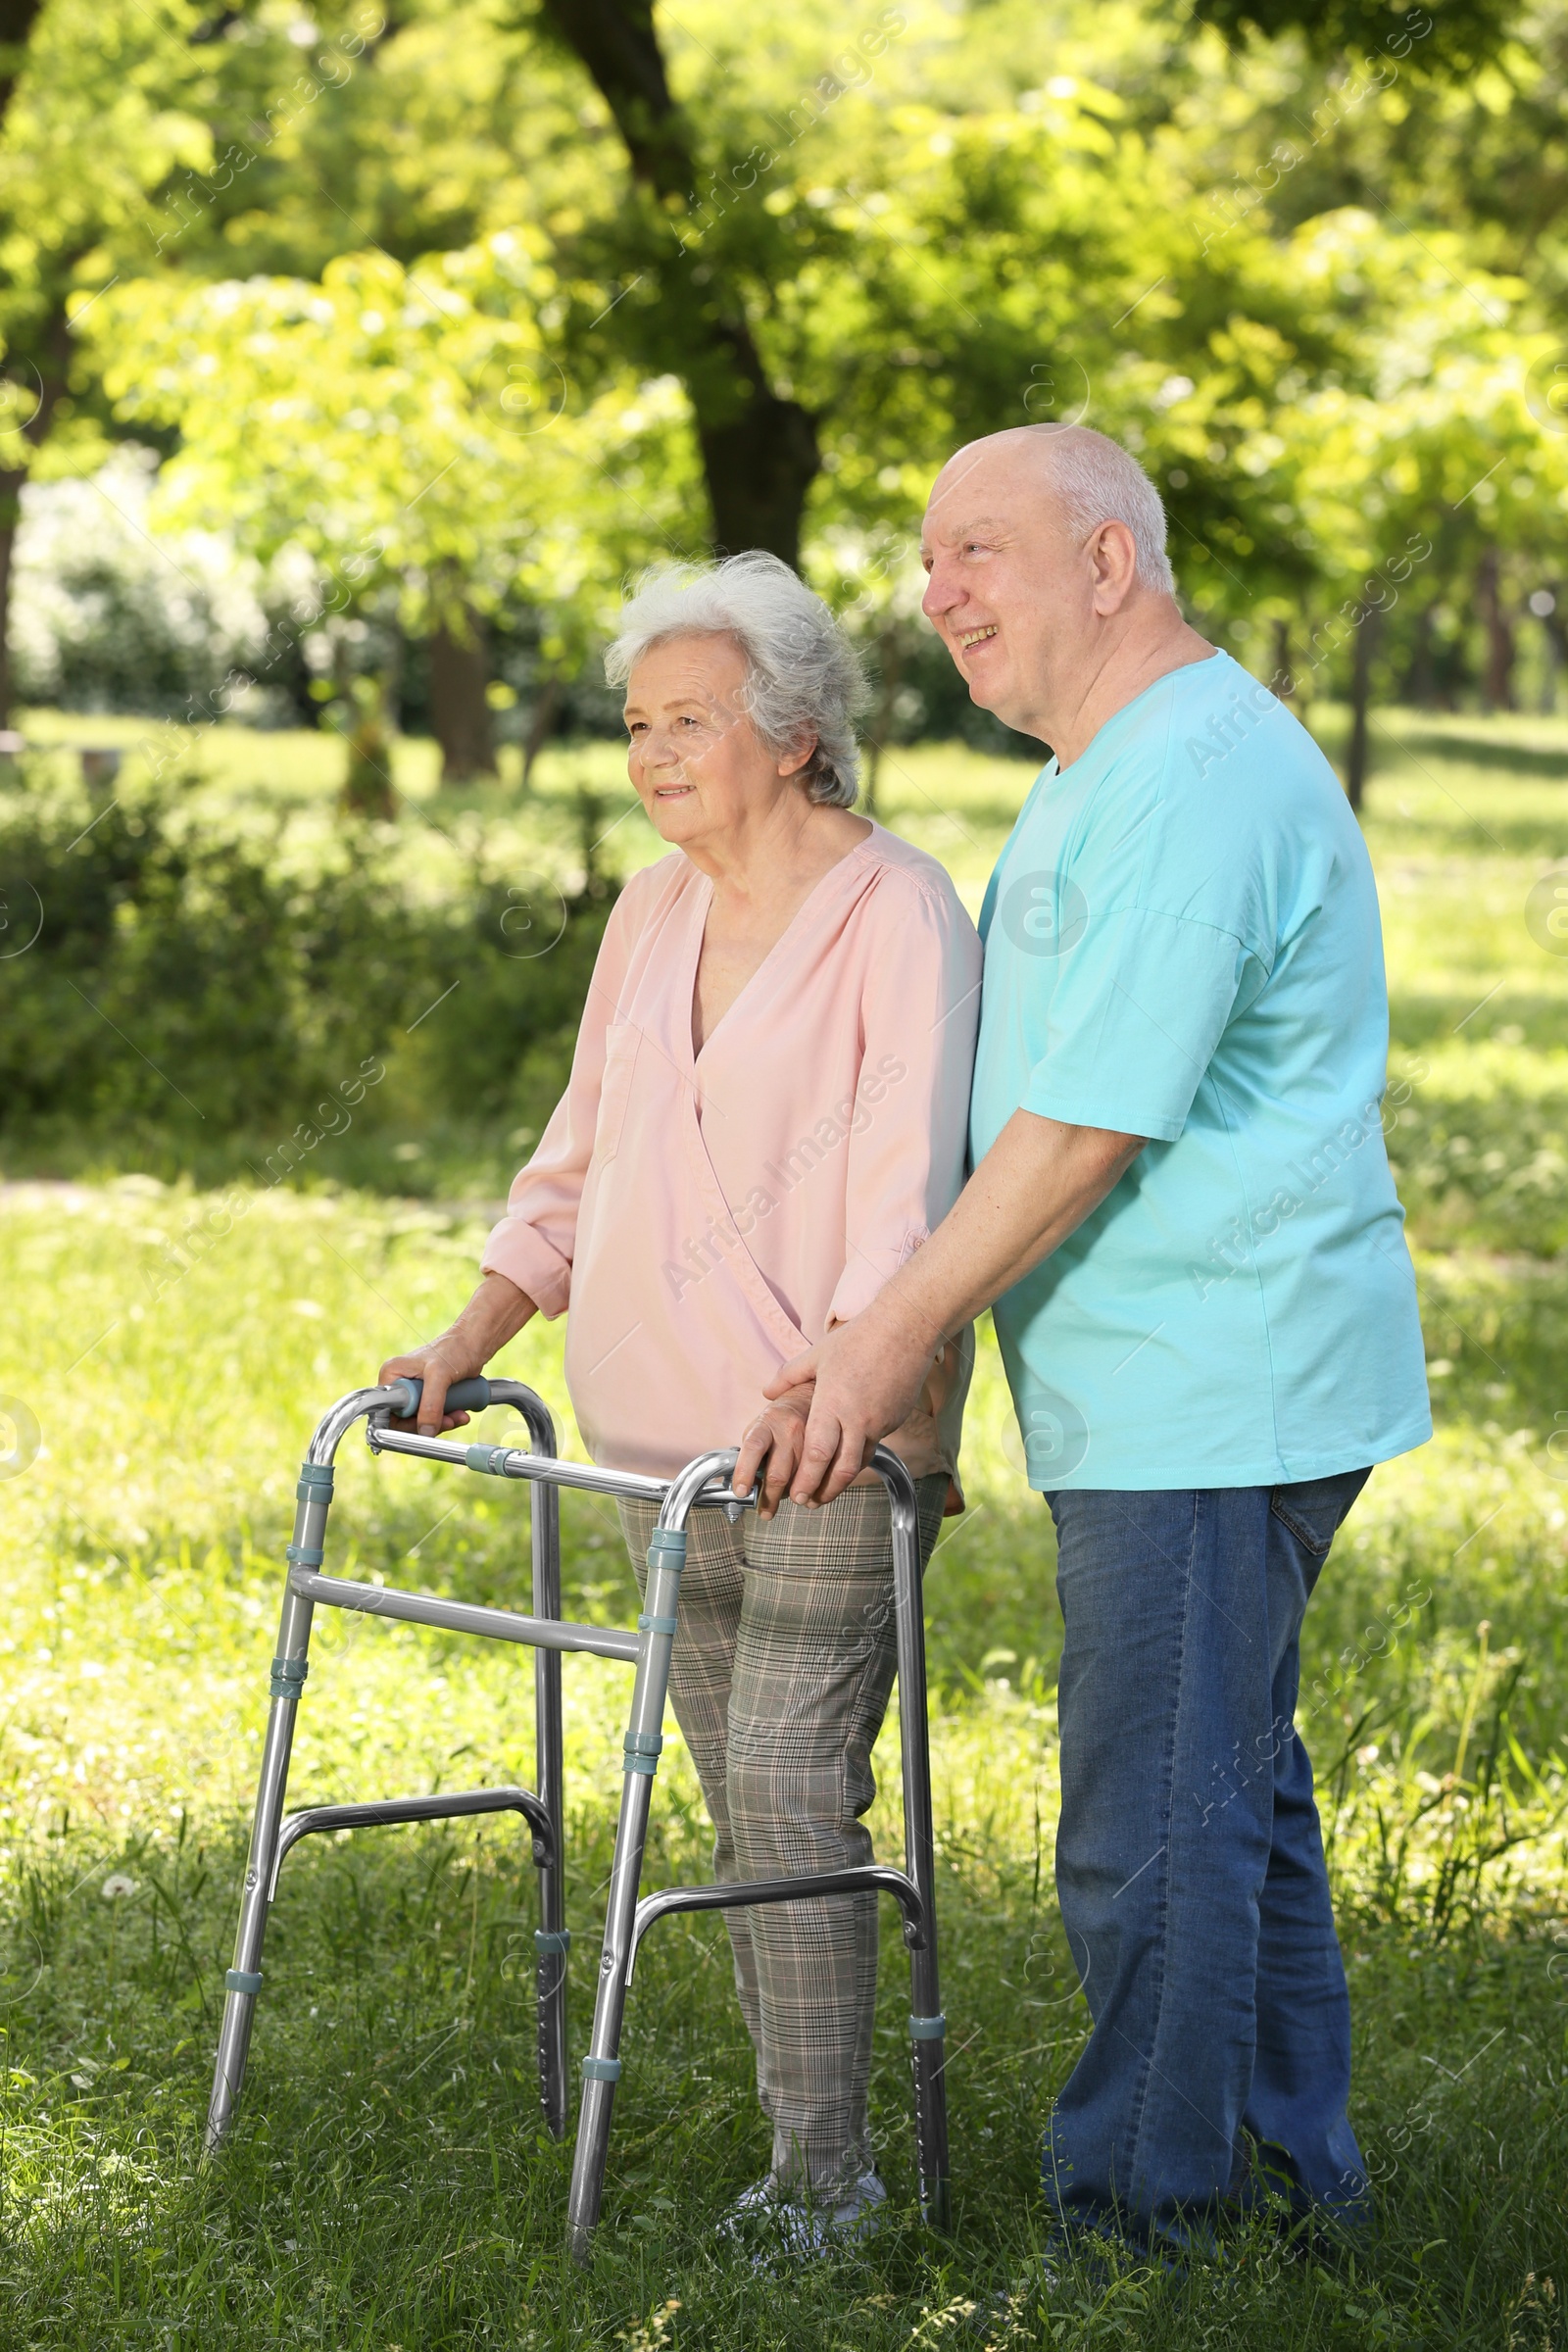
<point x="1182" y="1210"/>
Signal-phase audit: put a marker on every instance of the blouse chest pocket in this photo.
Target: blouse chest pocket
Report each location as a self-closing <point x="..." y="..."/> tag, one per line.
<point x="621" y="1042"/>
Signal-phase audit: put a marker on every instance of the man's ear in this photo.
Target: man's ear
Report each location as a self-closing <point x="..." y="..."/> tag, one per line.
<point x="1113" y="553"/>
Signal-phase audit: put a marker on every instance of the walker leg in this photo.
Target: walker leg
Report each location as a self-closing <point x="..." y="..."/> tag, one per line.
<point x="552" y="1941"/>
<point x="930" y="2089"/>
<point x="927" y="2025"/>
<point x="244" y="1978"/>
<point x="601" y="2066"/>
<point x="667" y="1556"/>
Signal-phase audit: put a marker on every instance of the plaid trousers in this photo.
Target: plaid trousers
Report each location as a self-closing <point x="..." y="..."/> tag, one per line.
<point x="780" y="1680"/>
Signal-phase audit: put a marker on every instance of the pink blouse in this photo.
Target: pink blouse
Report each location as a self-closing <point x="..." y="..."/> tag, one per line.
<point x="707" y="1218"/>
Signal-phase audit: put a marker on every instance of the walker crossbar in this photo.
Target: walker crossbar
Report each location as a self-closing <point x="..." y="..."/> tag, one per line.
<point x="384" y="1812"/>
<point x="734" y="1894"/>
<point x="464" y="1617"/>
<point x="703" y="1482"/>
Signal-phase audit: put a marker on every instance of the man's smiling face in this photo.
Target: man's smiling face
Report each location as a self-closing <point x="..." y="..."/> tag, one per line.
<point x="1009" y="591"/>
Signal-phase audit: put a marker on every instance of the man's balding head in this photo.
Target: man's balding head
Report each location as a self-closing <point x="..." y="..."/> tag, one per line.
<point x="1092" y="478"/>
<point x="1045" y="547"/>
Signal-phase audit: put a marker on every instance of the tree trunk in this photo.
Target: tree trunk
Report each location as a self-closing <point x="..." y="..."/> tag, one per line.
<point x="759" y="451"/>
<point x="1421" y="676"/>
<point x="759" y="466"/>
<point x="11" y="482"/>
<point x="541" y="725"/>
<point x="1498" y="677"/>
<point x="1355" y="756"/>
<point x="368" y="790"/>
<point x="890" y="658"/>
<point x="1284" y="682"/>
<point x="1555" y="629"/>
<point x="460" y="715"/>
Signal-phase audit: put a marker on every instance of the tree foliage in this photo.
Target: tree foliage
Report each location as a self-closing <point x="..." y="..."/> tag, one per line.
<point x="404" y="426"/>
<point x="480" y="307"/>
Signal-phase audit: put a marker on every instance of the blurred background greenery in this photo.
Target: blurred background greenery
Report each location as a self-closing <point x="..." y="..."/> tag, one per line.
<point x="352" y="358"/>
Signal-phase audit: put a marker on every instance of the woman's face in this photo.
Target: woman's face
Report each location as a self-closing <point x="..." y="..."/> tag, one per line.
<point x="694" y="756"/>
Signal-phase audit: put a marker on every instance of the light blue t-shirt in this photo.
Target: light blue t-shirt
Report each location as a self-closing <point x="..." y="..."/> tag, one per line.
<point x="1181" y="941"/>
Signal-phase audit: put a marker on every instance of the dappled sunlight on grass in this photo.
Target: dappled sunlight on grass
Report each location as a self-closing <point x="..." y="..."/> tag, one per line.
<point x="388" y="2185"/>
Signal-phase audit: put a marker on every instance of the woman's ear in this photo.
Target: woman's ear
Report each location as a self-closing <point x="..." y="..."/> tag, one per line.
<point x="799" y="756"/>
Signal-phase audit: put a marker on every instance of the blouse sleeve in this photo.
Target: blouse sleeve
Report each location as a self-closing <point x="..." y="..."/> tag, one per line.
<point x="534" y="1243"/>
<point x="908" y="1121"/>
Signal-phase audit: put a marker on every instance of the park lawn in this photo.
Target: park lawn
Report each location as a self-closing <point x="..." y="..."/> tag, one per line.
<point x="386" y="2185"/>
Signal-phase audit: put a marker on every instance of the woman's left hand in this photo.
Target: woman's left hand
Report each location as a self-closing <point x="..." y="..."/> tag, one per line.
<point x="770" y="1450"/>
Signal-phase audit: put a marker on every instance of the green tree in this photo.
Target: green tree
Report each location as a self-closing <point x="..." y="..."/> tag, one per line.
<point x="1464" y="34"/>
<point x="409" y="430"/>
<point x="120" y="71"/>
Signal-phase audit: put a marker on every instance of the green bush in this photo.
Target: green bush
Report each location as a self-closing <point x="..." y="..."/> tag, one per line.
<point x="193" y="978"/>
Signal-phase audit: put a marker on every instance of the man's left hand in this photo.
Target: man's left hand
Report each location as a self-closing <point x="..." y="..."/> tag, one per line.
<point x="1035" y="1185"/>
<point x="865" y="1378"/>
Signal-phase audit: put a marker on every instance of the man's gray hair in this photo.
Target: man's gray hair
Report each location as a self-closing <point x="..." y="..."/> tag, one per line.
<point x="1098" y="481"/>
<point x="802" y="679"/>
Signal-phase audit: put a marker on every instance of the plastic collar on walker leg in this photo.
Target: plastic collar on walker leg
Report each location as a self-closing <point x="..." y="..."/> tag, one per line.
<point x="657" y="1625"/>
<point x="602" y="2069"/>
<point x="643" y="1750"/>
<point x="667" y="1544"/>
<point x="552" y="1939"/>
<point x="492" y="1460"/>
<point x="304" y="1555"/>
<point x="316" y="1481"/>
<point x="243" y="1980"/>
<point x="928" y="2029"/>
<point x="288" y="1677"/>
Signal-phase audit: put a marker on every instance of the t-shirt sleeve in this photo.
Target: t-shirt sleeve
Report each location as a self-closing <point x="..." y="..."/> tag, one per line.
<point x="1139" y="1003"/>
<point x="534" y="1243"/>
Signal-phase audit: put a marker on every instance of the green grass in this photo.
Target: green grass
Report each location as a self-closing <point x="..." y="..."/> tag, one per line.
<point x="386" y="2185"/>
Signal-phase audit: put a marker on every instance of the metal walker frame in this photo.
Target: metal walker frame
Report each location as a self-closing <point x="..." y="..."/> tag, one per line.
<point x="703" y="1482"/>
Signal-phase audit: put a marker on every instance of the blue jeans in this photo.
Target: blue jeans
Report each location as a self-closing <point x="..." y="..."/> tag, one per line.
<point x="1190" y="1865"/>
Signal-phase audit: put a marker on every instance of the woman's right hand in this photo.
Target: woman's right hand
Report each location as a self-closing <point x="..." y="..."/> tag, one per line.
<point x="776" y="1437"/>
<point x="439" y="1365"/>
<point x="495" y="1314"/>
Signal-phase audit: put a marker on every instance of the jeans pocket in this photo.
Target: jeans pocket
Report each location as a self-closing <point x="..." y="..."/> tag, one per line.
<point x="1316" y="1509"/>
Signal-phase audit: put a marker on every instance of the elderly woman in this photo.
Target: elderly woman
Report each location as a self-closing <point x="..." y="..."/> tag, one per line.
<point x="766" y="1114"/>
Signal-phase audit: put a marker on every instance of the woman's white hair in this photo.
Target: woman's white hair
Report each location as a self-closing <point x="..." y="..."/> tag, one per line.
<point x="1098" y="481"/>
<point x="802" y="679"/>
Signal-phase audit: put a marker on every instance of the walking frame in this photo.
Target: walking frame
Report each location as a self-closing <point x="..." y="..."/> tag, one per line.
<point x="704" y="1483"/>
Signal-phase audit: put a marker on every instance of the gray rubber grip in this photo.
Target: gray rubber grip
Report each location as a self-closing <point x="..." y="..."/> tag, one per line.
<point x="463" y="1396"/>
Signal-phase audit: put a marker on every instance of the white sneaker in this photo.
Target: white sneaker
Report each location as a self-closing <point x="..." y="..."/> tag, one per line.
<point x="776" y="2219"/>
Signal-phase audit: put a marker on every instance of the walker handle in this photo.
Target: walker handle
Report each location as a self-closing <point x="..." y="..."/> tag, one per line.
<point x="463" y="1396"/>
